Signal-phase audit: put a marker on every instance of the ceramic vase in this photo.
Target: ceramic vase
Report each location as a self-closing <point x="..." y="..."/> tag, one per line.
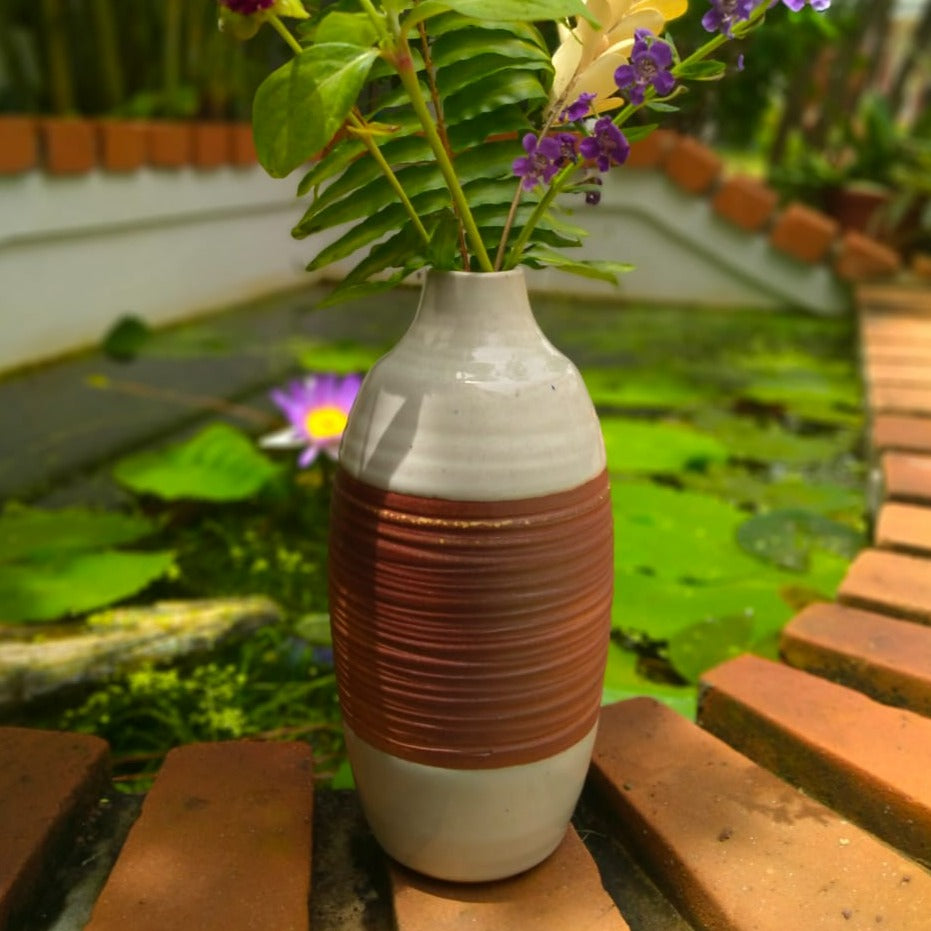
<point x="471" y="578"/>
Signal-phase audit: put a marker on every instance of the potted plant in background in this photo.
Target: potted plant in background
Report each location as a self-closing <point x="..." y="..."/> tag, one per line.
<point x="471" y="544"/>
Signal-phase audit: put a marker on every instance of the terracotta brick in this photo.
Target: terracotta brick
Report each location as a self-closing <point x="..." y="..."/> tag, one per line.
<point x="893" y="296"/>
<point x="19" y="145"/>
<point x="212" y="144"/>
<point x="909" y="375"/>
<point x="904" y="526"/>
<point x="745" y="202"/>
<point x="223" y="843"/>
<point x="859" y="258"/>
<point x="895" y="328"/>
<point x="122" y="145"/>
<point x="803" y="233"/>
<point x="899" y="399"/>
<point x="169" y="144"/>
<point x="733" y="845"/>
<point x="692" y="166"/>
<point x="883" y="657"/>
<point x="896" y="431"/>
<point x="242" y="145"/>
<point x="651" y="151"/>
<point x="564" y="892"/>
<point x="906" y="476"/>
<point x="889" y="582"/>
<point x="49" y="782"/>
<point x="865" y="760"/>
<point x="69" y="145"/>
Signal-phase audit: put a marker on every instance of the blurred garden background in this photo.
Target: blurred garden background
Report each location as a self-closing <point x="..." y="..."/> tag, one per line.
<point x="734" y="435"/>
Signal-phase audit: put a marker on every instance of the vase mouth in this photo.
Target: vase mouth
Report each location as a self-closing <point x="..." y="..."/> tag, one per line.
<point x="456" y="273"/>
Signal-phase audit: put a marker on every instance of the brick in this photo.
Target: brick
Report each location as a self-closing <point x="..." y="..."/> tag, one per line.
<point x="897" y="431"/>
<point x="893" y="583"/>
<point x="19" y="145"/>
<point x="860" y="258"/>
<point x="122" y="145"/>
<point x="906" y="476"/>
<point x="212" y="144"/>
<point x="49" y="782"/>
<point x="736" y="847"/>
<point x="885" y="658"/>
<point x="803" y="233"/>
<point x="223" y="843"/>
<point x="170" y="145"/>
<point x="651" y="150"/>
<point x="899" y="399"/>
<point x="242" y="145"/>
<point x="69" y="145"/>
<point x="893" y="296"/>
<point x="863" y="759"/>
<point x="913" y="375"/>
<point x="895" y="328"/>
<point x="745" y="202"/>
<point x="692" y="166"/>
<point x="904" y="526"/>
<point x="564" y="892"/>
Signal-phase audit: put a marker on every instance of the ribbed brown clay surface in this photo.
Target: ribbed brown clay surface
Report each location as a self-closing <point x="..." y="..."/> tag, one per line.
<point x="473" y="634"/>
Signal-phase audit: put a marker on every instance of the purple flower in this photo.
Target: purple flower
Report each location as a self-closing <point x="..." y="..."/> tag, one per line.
<point x="593" y="197"/>
<point x="796" y="5"/>
<point x="317" y="407"/>
<point x="724" y="13"/>
<point x="650" y="62"/>
<point x="578" y="110"/>
<point x="607" y="145"/>
<point x="568" y="148"/>
<point x="541" y="162"/>
<point x="247" y="7"/>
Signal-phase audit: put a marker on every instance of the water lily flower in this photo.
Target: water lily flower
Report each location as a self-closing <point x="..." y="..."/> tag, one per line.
<point x="650" y="62"/>
<point x="540" y="163"/>
<point x="607" y="145"/>
<point x="587" y="58"/>
<point x="318" y="408"/>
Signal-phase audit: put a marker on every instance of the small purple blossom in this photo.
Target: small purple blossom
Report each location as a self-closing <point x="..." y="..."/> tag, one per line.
<point x="568" y="148"/>
<point x="725" y="13"/>
<point x="796" y="5"/>
<point x="593" y="198"/>
<point x="247" y="7"/>
<point x="317" y="408"/>
<point x="650" y="62"/>
<point x="577" y="110"/>
<point x="607" y="145"/>
<point x="541" y="162"/>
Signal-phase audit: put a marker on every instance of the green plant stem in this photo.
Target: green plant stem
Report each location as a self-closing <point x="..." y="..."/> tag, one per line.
<point x="403" y="64"/>
<point x="366" y="137"/>
<point x="285" y="33"/>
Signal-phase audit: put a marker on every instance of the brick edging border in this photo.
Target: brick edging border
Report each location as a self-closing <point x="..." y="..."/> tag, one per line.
<point x="76" y="146"/>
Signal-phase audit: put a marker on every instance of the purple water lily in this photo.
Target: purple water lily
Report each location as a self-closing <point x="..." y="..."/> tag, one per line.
<point x="725" y="13"/>
<point x="607" y="145"/>
<point x="650" y="62"/>
<point x="540" y="163"/>
<point x="317" y="408"/>
<point x="247" y="7"/>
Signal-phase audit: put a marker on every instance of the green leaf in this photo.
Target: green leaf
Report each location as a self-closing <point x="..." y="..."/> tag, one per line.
<point x="218" y="464"/>
<point x="701" y="71"/>
<point x="661" y="107"/>
<point x="339" y="358"/>
<point x="526" y="11"/>
<point x="351" y="28"/>
<point x="442" y="251"/>
<point x="28" y="533"/>
<point x="453" y="49"/>
<point x="299" y="107"/>
<point x="587" y="268"/>
<point x="657" y="447"/>
<point x="74" y="583"/>
<point x="124" y="340"/>
<point x="787" y="538"/>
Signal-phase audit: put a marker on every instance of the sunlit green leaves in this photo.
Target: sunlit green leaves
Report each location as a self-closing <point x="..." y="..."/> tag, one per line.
<point x="299" y="107"/>
<point x="635" y="446"/>
<point x="218" y="464"/>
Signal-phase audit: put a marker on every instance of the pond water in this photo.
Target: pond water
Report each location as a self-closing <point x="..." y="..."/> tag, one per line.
<point x="738" y="487"/>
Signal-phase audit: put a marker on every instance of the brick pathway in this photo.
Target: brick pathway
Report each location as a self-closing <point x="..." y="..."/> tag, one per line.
<point x="801" y="798"/>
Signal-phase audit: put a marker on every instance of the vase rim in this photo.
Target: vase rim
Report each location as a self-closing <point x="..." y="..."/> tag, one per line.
<point x="457" y="273"/>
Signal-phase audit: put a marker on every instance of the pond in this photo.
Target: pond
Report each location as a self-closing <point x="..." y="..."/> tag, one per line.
<point x="738" y="484"/>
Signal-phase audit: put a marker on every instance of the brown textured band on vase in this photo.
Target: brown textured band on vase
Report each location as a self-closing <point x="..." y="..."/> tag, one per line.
<point x="467" y="634"/>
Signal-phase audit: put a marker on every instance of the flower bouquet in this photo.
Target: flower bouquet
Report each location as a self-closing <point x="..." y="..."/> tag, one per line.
<point x="442" y="132"/>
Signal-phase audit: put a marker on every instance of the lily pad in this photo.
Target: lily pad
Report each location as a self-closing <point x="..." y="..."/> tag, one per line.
<point x="643" y="388"/>
<point x="699" y="647"/>
<point x="623" y="681"/>
<point x="633" y="446"/>
<point x="28" y="533"/>
<point x="787" y="537"/>
<point x="218" y="464"/>
<point x="74" y="583"/>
